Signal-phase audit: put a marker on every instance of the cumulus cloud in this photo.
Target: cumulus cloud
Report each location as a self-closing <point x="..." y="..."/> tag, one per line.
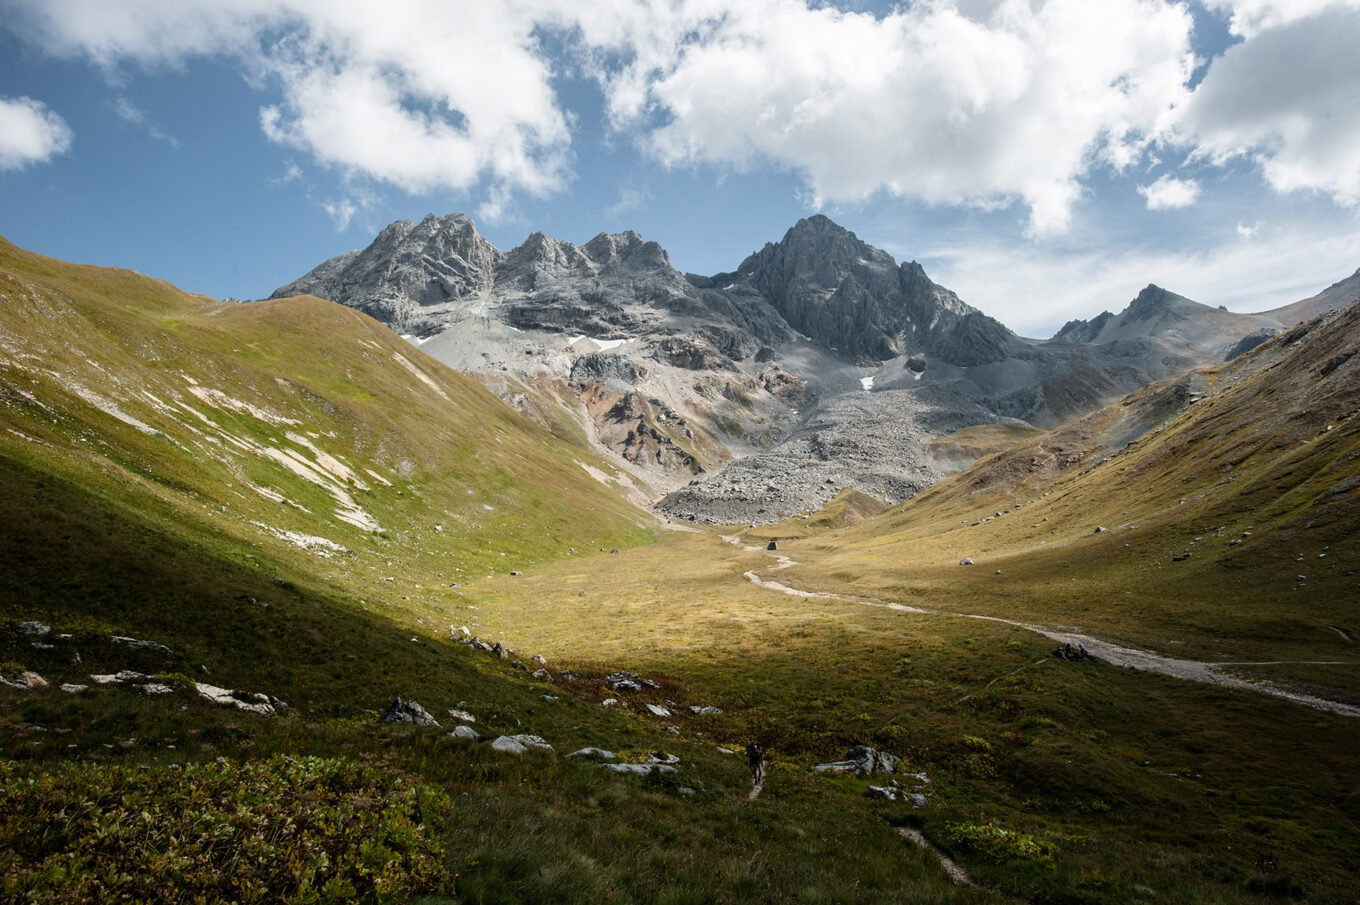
<point x="948" y="102"/>
<point x="419" y="95"/>
<point x="1285" y="98"/>
<point x="1170" y="193"/>
<point x="1013" y="102"/>
<point x="30" y="133"/>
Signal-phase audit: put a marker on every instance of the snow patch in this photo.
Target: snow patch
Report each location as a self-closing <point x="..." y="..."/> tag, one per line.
<point x="867" y="383"/>
<point x="602" y="345"/>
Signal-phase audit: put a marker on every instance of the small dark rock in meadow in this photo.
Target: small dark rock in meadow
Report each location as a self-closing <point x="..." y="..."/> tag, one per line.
<point x="402" y="711"/>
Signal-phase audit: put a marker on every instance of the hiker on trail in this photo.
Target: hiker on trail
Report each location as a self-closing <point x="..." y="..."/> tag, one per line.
<point x="755" y="757"/>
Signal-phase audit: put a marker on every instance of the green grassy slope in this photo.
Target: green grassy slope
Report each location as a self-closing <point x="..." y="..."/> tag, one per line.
<point x="135" y="423"/>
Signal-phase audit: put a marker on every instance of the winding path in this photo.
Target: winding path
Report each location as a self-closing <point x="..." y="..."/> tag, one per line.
<point x="1118" y="655"/>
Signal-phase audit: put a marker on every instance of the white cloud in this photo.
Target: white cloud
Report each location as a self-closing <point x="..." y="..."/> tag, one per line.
<point x="131" y="113"/>
<point x="1286" y="99"/>
<point x="985" y="103"/>
<point x="30" y="133"/>
<point x="1250" y="17"/>
<point x="1037" y="292"/>
<point x="341" y="211"/>
<point x="420" y="95"/>
<point x="1014" y="103"/>
<point x="630" y="199"/>
<point x="1170" y="193"/>
<point x="1248" y="231"/>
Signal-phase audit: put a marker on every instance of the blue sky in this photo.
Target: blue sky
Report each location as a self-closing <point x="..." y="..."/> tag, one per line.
<point x="1044" y="158"/>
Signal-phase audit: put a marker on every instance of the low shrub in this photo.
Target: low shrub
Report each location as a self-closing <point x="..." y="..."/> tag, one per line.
<point x="285" y="829"/>
<point x="996" y="843"/>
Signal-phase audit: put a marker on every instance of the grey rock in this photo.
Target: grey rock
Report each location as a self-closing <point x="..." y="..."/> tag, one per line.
<point x="507" y="745"/>
<point x="594" y="754"/>
<point x="260" y="704"/>
<point x="542" y="675"/>
<point x="458" y="713"/>
<point x="549" y="698"/>
<point x="34" y="629"/>
<point x="661" y="757"/>
<point x="609" y="702"/>
<point x="705" y="711"/>
<point x="156" y="688"/>
<point x="403" y="711"/>
<point x="639" y="769"/>
<point x="862" y="760"/>
<point x="657" y="710"/>
<point x="466" y="732"/>
<point x="71" y="688"/>
<point x="500" y="650"/>
<point x="532" y="741"/>
<point x="138" y="644"/>
<point x="966" y="561"/>
<point x="539" y="660"/>
<point x="118" y="678"/>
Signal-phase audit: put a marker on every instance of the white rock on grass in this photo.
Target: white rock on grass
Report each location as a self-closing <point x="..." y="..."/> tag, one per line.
<point x="70" y="688"/>
<point x="465" y="732"/>
<point x="638" y="769"/>
<point x="594" y="754"/>
<point x="532" y="741"/>
<point x="506" y="745"/>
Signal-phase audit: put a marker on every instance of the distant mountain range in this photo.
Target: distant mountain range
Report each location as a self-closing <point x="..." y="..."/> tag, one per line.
<point x="820" y="363"/>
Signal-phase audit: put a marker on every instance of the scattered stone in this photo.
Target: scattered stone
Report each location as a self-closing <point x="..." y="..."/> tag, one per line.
<point x="657" y="709"/>
<point x="515" y="574"/>
<point x="542" y="675"/>
<point x="532" y="741"/>
<point x="506" y="745"/>
<point x="772" y="545"/>
<point x="628" y="681"/>
<point x="1181" y="556"/>
<point x="156" y="688"/>
<point x="70" y="688"/>
<point x="966" y="561"/>
<point x="462" y="715"/>
<point x="594" y="754"/>
<point x="465" y="732"/>
<point x="1072" y="653"/>
<point x="401" y="711"/>
<point x="614" y="551"/>
<point x="610" y="702"/>
<point x="482" y="645"/>
<point x="251" y="703"/>
<point x="138" y="644"/>
<point x="639" y="769"/>
<point x="673" y="730"/>
<point x="661" y="757"/>
<point x="501" y="651"/>
<point x="539" y="660"/>
<point x="549" y="698"/>
<point x="705" y="711"/>
<point x="33" y="628"/>
<point x="862" y="760"/>
<point x="519" y="664"/>
<point x="27" y="681"/>
<point x="462" y="630"/>
<point x="118" y="678"/>
<point x="1099" y="530"/>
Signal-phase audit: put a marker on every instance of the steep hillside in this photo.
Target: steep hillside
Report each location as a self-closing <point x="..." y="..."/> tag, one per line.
<point x="357" y="450"/>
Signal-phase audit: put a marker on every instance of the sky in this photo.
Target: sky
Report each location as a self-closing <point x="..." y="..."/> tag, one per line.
<point x="1045" y="159"/>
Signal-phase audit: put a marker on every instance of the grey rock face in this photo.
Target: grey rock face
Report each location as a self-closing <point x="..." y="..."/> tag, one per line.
<point x="594" y="754"/>
<point x="639" y="769"/>
<point x="755" y="379"/>
<point x="507" y="745"/>
<point x="408" y="268"/>
<point x="466" y="733"/>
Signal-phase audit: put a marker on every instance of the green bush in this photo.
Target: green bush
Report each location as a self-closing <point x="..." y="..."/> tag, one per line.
<point x="300" y="830"/>
<point x="997" y="843"/>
